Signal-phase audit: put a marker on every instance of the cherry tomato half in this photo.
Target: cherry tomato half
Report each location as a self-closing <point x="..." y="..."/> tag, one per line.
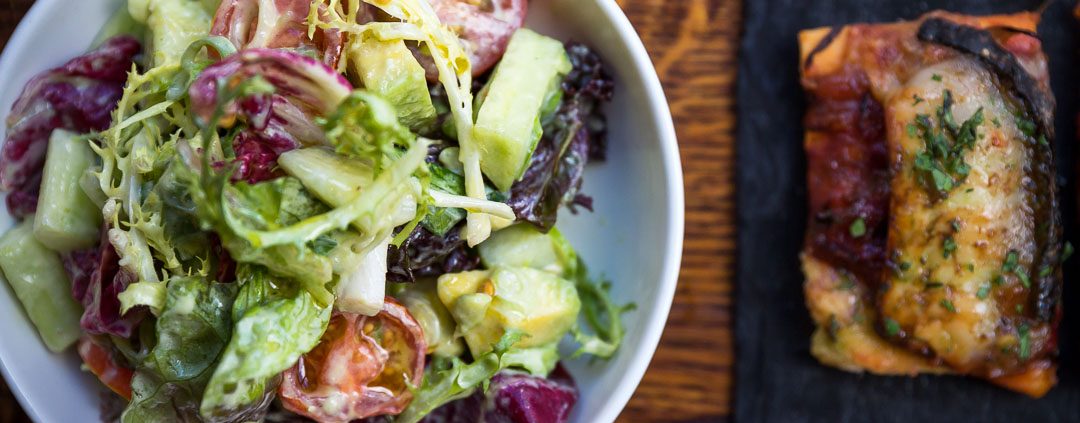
<point x="102" y="364"/>
<point x="363" y="367"/>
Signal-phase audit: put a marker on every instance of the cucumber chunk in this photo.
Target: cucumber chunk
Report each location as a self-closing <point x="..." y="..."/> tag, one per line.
<point x="388" y="68"/>
<point x="37" y="276"/>
<point x="66" y="217"/>
<point x="508" y="123"/>
<point x="523" y="246"/>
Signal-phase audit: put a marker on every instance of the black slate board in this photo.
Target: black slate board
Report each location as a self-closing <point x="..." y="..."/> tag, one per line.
<point x="776" y="379"/>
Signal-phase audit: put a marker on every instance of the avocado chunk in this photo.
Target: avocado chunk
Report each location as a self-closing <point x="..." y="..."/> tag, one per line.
<point x="523" y="245"/>
<point x="388" y="68"/>
<point x="422" y="300"/>
<point x="508" y="126"/>
<point x="66" y="218"/>
<point x="488" y="303"/>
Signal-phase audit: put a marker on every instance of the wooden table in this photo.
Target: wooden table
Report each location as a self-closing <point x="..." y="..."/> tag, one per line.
<point x="693" y="44"/>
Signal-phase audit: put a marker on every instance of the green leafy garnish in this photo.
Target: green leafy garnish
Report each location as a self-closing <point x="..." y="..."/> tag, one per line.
<point x="857" y="228"/>
<point x="892" y="328"/>
<point x="940" y="165"/>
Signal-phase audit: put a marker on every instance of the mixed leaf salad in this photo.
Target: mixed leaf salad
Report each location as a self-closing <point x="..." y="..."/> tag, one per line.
<point x="245" y="210"/>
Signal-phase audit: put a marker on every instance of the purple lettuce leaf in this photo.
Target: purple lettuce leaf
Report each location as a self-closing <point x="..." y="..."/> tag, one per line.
<point x="78" y="96"/>
<point x="425" y="254"/>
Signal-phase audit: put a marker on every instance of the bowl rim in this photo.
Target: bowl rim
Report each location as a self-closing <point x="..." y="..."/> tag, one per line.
<point x="672" y="167"/>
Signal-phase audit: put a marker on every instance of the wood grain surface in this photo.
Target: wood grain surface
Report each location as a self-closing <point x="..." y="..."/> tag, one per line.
<point x="693" y="44"/>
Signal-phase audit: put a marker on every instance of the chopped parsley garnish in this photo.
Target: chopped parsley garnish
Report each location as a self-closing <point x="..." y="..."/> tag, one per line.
<point x="1042" y="140"/>
<point x="1023" y="276"/>
<point x="936" y="78"/>
<point x="984" y="292"/>
<point x="940" y="165"/>
<point x="955" y="223"/>
<point x="934" y="285"/>
<point x="857" y="228"/>
<point x="1019" y="308"/>
<point x="1067" y="252"/>
<point x="997" y="123"/>
<point x="998" y="279"/>
<point x="1012" y="259"/>
<point x="971" y="267"/>
<point x="1025" y="342"/>
<point x="948" y="305"/>
<point x="891" y="327"/>
<point x="1045" y="271"/>
<point x="904" y="266"/>
<point x="1026" y="126"/>
<point x="846" y="283"/>
<point x="916" y="99"/>
<point x="948" y="246"/>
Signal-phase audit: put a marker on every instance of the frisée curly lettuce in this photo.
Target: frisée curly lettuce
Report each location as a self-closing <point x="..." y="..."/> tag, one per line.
<point x="335" y="210"/>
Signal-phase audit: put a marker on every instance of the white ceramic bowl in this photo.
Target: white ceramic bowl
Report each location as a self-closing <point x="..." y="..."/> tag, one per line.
<point x="634" y="238"/>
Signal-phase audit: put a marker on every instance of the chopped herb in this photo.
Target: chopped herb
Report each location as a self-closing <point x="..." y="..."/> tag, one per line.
<point x="940" y="166"/>
<point x="948" y="305"/>
<point x="971" y="267"/>
<point x="1023" y="276"/>
<point x="1067" y="252"/>
<point x="1045" y="271"/>
<point x="934" y="285"/>
<point x="846" y="283"/>
<point x="998" y="279"/>
<point x="904" y="266"/>
<point x="936" y="78"/>
<point x="1042" y="140"/>
<point x="969" y="190"/>
<point x="912" y="130"/>
<point x="948" y="246"/>
<point x="891" y="327"/>
<point x="1025" y="126"/>
<point x="1019" y="308"/>
<point x="834" y="327"/>
<point x="858" y="228"/>
<point x="955" y="223"/>
<point x="997" y="123"/>
<point x="1025" y="342"/>
<point x="917" y="99"/>
<point x="1012" y="259"/>
<point x="984" y="291"/>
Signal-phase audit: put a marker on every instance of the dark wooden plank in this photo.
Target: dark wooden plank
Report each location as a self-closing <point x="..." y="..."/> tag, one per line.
<point x="693" y="44"/>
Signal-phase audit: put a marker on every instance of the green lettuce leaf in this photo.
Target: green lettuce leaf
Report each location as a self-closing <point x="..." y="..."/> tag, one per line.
<point x="278" y="324"/>
<point x="601" y="314"/>
<point x="448" y="379"/>
<point x="191" y="332"/>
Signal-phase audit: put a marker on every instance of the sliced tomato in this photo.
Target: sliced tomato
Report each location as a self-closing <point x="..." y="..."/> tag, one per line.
<point x="276" y="24"/>
<point x="103" y="364"/>
<point x="484" y="26"/>
<point x="363" y="367"/>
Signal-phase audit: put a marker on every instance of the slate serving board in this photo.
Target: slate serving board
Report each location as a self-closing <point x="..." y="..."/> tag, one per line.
<point x="776" y="379"/>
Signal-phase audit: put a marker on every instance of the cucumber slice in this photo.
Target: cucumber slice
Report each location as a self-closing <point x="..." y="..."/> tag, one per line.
<point x="508" y="123"/>
<point x="66" y="217"/>
<point x="388" y="68"/>
<point x="38" y="279"/>
<point x="524" y="246"/>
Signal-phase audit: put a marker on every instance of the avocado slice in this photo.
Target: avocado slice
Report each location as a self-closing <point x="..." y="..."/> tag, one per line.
<point x="388" y="68"/>
<point x="488" y="303"/>
<point x="508" y="123"/>
<point x="523" y="245"/>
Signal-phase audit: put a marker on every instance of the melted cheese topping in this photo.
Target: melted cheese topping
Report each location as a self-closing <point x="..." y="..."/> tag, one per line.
<point x="941" y="300"/>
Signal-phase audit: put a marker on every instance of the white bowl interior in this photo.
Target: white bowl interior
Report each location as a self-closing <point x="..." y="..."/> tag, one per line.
<point x="634" y="238"/>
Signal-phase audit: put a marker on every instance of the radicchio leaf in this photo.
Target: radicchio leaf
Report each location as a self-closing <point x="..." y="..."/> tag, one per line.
<point x="514" y="397"/>
<point x="97" y="281"/>
<point x="78" y="96"/>
<point x="572" y="137"/>
<point x="303" y="90"/>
